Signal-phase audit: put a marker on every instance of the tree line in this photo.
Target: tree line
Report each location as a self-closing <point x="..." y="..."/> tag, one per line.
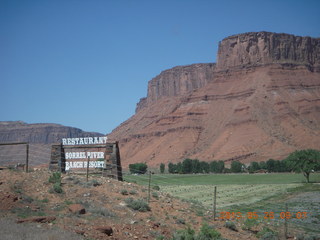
<point x="305" y="161"/>
<point x="195" y="166"/>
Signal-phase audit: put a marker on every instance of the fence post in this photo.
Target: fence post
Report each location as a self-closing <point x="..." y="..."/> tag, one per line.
<point x="88" y="160"/>
<point x="286" y="223"/>
<point x="27" y="157"/>
<point x="149" y="186"/>
<point x="214" y="203"/>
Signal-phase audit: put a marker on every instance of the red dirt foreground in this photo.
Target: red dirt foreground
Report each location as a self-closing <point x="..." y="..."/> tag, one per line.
<point x="28" y="198"/>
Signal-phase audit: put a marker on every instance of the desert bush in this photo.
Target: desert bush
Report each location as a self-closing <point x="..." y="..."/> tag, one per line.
<point x="231" y="225"/>
<point x="269" y="236"/>
<point x="208" y="232"/>
<point x="55" y="177"/>
<point x="25" y="212"/>
<point x="155" y="195"/>
<point x="68" y="202"/>
<point x="27" y="199"/>
<point x="185" y="234"/>
<point x="102" y="211"/>
<point x="249" y="223"/>
<point x="157" y="188"/>
<point x="94" y="183"/>
<point x="139" y="204"/>
<point x="133" y="192"/>
<point x="45" y="200"/>
<point x="57" y="188"/>
<point x="263" y="233"/>
<point x="124" y="192"/>
<point x="180" y="221"/>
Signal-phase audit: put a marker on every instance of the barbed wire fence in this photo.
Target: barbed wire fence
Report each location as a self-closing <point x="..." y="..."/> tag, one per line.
<point x="22" y="155"/>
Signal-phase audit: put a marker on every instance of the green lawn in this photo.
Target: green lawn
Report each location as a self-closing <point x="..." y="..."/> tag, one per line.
<point x="218" y="179"/>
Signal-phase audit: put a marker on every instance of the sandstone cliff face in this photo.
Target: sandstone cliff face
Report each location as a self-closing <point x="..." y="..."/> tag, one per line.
<point x="260" y="48"/>
<point x="177" y="81"/>
<point x="260" y="101"/>
<point x="43" y="133"/>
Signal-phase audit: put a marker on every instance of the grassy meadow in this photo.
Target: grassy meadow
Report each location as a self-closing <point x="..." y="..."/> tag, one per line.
<point x="221" y="179"/>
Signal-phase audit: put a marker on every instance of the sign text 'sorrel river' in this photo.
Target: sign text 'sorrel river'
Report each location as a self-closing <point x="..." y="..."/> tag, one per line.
<point x="82" y="155"/>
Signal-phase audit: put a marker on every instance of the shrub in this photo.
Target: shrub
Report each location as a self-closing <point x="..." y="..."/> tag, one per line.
<point x="101" y="211"/>
<point x="186" y="234"/>
<point x="95" y="183"/>
<point x="55" y="177"/>
<point x="208" y="232"/>
<point x="264" y="231"/>
<point x="57" y="188"/>
<point x="155" y="195"/>
<point x="231" y="225"/>
<point x="27" y="199"/>
<point x="68" y="202"/>
<point x="124" y="192"/>
<point x="249" y="223"/>
<point x="133" y="192"/>
<point x="138" y="205"/>
<point x="269" y="236"/>
<point x="157" y="188"/>
<point x="180" y="221"/>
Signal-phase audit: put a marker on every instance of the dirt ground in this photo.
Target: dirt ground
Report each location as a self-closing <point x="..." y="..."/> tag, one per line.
<point x="29" y="197"/>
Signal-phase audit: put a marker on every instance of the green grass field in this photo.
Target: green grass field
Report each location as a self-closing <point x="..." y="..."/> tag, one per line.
<point x="218" y="179"/>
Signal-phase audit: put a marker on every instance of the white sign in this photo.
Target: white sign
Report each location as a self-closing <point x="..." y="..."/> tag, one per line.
<point x="84" y="141"/>
<point x="82" y="155"/>
<point x="93" y="164"/>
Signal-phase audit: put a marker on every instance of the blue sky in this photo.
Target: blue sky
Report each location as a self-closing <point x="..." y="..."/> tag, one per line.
<point x="86" y="63"/>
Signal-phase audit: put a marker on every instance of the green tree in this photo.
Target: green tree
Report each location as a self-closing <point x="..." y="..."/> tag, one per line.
<point x="213" y="166"/>
<point x="236" y="167"/>
<point x="172" y="168"/>
<point x="204" y="166"/>
<point x="220" y="166"/>
<point x="140" y="168"/>
<point x="254" y="166"/>
<point x="305" y="161"/>
<point x="196" y="166"/>
<point x="216" y="166"/>
<point x="271" y="165"/>
<point x="187" y="166"/>
<point x="162" y="167"/>
<point x="179" y="168"/>
<point x="263" y="165"/>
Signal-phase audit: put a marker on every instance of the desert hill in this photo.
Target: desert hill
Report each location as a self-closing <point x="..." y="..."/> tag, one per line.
<point x="260" y="100"/>
<point x="40" y="136"/>
<point x="44" y="133"/>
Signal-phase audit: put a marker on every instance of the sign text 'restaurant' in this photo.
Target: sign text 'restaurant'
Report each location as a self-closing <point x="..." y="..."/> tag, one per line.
<point x="84" y="141"/>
